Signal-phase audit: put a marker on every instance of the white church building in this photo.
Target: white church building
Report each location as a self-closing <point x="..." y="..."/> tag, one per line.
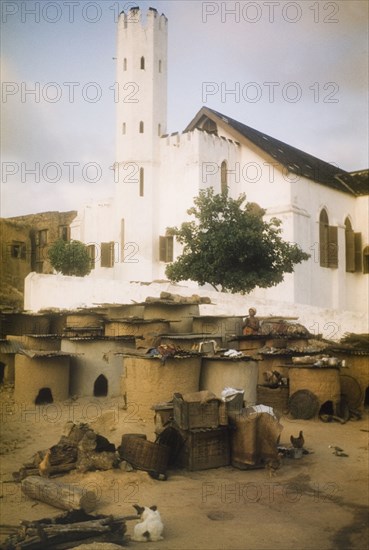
<point x="323" y="208"/>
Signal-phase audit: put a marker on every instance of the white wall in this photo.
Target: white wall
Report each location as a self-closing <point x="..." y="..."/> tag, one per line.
<point x="58" y="291"/>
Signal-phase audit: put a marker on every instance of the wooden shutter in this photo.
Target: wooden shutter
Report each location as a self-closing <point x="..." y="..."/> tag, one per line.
<point x="350" y="250"/>
<point x="358" y="252"/>
<point x="332" y="246"/>
<point x="169" y="249"/>
<point x="166" y="249"/>
<point x="323" y="244"/>
<point x="162" y="248"/>
<point x="107" y="254"/>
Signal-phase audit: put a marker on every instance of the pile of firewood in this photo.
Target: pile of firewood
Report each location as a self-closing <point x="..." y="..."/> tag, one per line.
<point x="67" y="530"/>
<point x="79" y="448"/>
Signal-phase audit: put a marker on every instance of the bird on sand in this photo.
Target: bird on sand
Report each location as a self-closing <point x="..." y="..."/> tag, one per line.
<point x="298" y="442"/>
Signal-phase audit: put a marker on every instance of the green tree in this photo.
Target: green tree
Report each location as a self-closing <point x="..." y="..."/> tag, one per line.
<point x="70" y="258"/>
<point x="231" y="247"/>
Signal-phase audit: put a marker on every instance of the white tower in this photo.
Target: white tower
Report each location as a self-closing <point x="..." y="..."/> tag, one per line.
<point x="141" y="120"/>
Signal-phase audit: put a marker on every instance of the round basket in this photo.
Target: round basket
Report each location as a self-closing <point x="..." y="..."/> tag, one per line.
<point x="303" y="404"/>
<point x="144" y="455"/>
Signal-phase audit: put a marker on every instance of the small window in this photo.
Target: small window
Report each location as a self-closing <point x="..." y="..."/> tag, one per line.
<point x="223" y="177"/>
<point x="107" y="254"/>
<point x="64" y="232"/>
<point x="91" y="250"/>
<point x="124" y="128"/>
<point x="166" y="249"/>
<point x="159" y="130"/>
<point x="142" y="182"/>
<point x="142" y="63"/>
<point x="159" y="65"/>
<point x="366" y="260"/>
<point x="210" y="127"/>
<point x="18" y="250"/>
<point x="125" y="64"/>
<point x="141" y="128"/>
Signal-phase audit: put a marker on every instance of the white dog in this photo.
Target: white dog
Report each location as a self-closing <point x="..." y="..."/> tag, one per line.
<point x="151" y="527"/>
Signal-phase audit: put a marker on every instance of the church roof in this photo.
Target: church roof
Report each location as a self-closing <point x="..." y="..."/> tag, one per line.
<point x="295" y="160"/>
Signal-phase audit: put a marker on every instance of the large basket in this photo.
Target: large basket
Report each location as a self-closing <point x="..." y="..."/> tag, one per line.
<point x="143" y="454"/>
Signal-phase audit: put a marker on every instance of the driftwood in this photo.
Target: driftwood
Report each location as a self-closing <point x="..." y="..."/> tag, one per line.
<point x="79" y="447"/>
<point x="61" y="532"/>
<point x="60" y="495"/>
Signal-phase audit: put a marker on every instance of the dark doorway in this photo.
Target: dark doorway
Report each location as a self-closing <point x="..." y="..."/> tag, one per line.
<point x="2" y="372"/>
<point x="327" y="408"/>
<point x="101" y="386"/>
<point x="44" y="397"/>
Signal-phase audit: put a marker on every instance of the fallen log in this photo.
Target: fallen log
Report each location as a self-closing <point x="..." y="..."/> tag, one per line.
<point x="60" y="495"/>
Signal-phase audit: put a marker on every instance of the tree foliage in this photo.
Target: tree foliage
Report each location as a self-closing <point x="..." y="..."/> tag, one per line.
<point x="231" y="247"/>
<point x="70" y="258"/>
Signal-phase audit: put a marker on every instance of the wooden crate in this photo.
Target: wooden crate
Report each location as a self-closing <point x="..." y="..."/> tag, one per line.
<point x="192" y="415"/>
<point x="205" y="448"/>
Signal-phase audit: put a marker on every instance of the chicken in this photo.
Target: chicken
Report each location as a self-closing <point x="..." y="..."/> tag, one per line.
<point x="298" y="442"/>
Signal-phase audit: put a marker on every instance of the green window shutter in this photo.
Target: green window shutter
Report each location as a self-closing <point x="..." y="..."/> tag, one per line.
<point x="332" y="246"/>
<point x="350" y="250"/>
<point x="358" y="252"/>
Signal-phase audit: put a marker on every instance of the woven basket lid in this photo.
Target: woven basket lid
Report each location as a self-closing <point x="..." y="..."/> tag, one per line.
<point x="303" y="404"/>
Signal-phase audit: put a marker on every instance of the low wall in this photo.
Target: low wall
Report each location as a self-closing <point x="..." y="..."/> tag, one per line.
<point x="58" y="291"/>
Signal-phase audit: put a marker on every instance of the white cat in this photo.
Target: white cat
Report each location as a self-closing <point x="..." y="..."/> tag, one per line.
<point x="151" y="527"/>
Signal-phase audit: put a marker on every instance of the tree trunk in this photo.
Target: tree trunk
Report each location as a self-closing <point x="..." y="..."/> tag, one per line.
<point x="60" y="495"/>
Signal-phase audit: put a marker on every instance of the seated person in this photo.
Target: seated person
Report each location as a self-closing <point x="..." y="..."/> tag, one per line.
<point x="251" y="324"/>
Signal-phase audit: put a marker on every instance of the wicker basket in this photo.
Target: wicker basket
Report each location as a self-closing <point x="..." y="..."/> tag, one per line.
<point x="205" y="448"/>
<point x="143" y="454"/>
<point x="193" y="415"/>
<point x="277" y="398"/>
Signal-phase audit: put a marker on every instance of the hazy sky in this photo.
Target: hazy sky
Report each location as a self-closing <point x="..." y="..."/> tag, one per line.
<point x="299" y="70"/>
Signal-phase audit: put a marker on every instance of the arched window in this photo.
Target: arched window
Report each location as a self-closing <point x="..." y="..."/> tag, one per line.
<point x="159" y="130"/>
<point x="328" y="241"/>
<point x="123" y="128"/>
<point x="366" y="260"/>
<point x="159" y="65"/>
<point x="141" y="127"/>
<point x="142" y="63"/>
<point x="142" y="182"/>
<point x="125" y="64"/>
<point x="223" y="177"/>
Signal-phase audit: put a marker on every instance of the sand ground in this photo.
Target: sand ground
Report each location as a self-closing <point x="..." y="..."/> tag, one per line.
<point x="317" y="502"/>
